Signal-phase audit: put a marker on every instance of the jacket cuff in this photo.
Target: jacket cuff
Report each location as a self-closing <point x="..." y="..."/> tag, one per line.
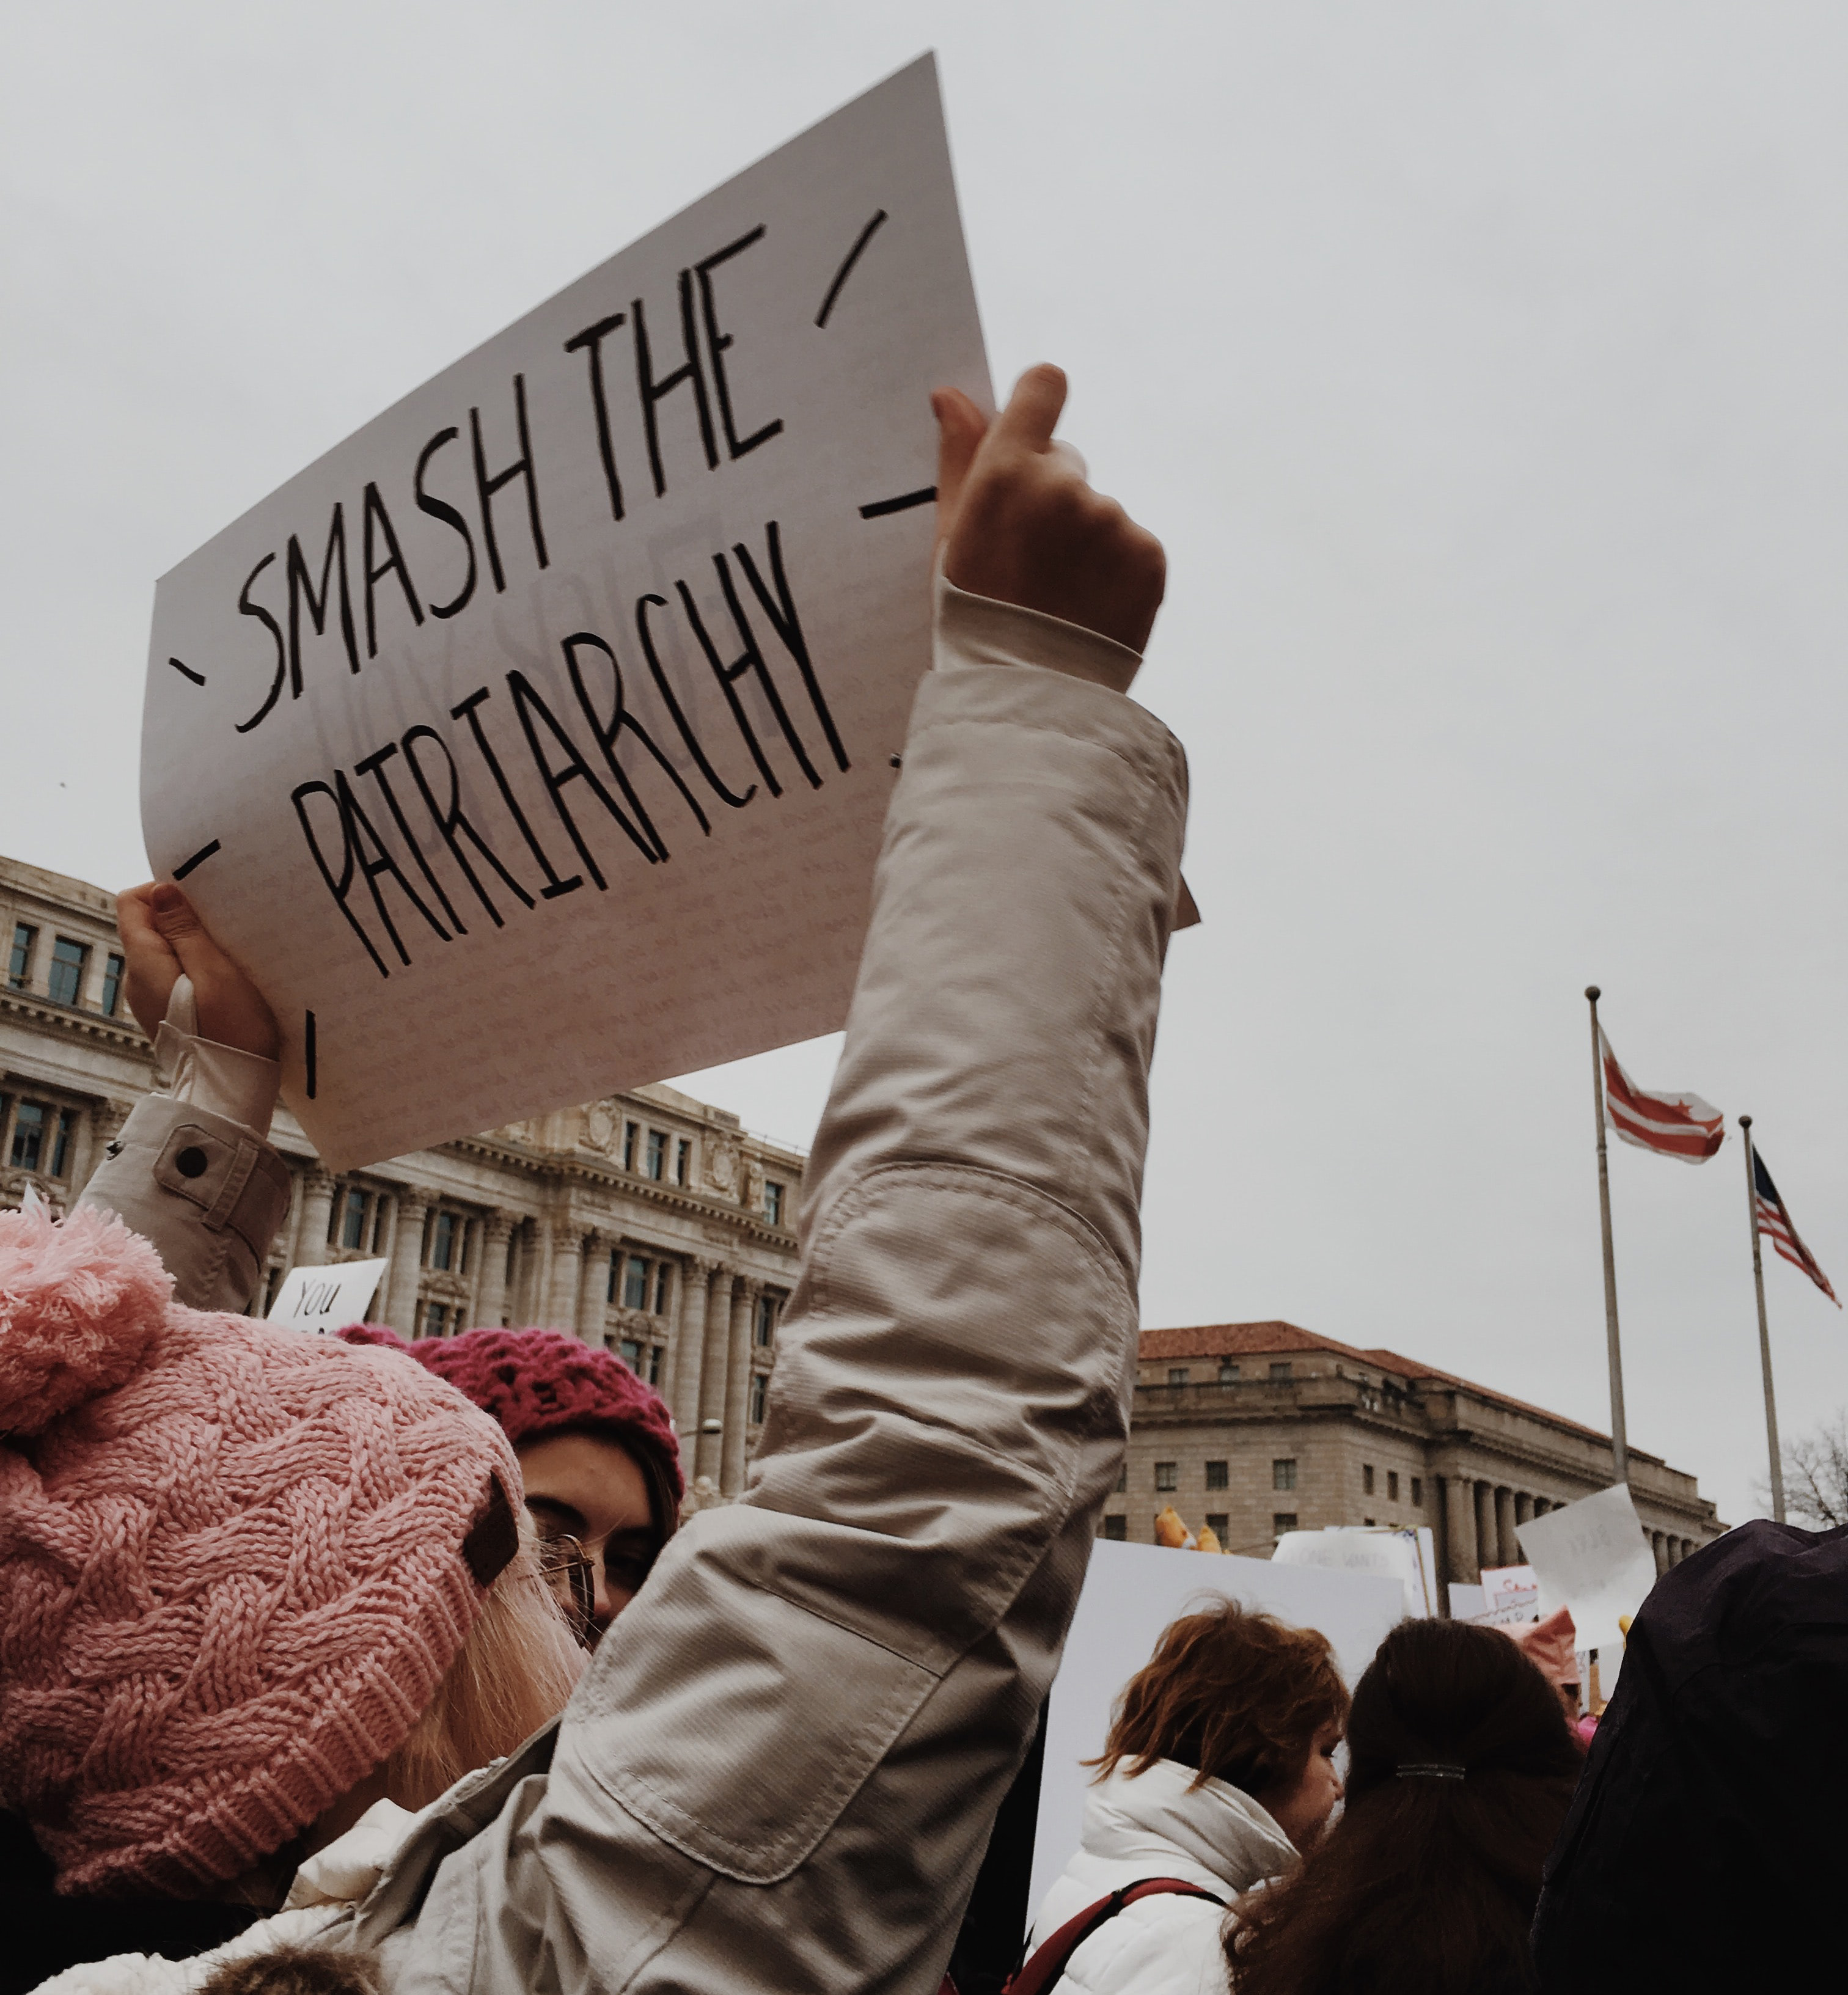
<point x="202" y="1189"/>
<point x="202" y="1073"/>
<point x="977" y="631"/>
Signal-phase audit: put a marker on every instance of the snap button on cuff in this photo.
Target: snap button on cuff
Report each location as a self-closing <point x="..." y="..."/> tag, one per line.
<point x="191" y="1162"/>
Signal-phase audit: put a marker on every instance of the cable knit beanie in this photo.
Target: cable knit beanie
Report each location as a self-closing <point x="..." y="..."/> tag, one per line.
<point x="235" y="1562"/>
<point x="536" y="1382"/>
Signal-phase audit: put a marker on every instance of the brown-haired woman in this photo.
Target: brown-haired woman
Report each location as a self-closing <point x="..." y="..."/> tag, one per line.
<point x="1461" y="1768"/>
<point x="1219" y="1770"/>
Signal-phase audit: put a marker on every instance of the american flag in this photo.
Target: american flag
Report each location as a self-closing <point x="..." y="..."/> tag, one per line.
<point x="1773" y="1221"/>
<point x="1673" y="1125"/>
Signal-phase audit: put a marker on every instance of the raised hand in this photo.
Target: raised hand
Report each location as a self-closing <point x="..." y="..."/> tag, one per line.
<point x="1017" y="519"/>
<point x="164" y="939"/>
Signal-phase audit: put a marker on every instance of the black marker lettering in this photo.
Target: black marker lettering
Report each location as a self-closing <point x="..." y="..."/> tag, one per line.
<point x="749" y="660"/>
<point x="642" y="607"/>
<point x="486" y="487"/>
<point x="591" y="342"/>
<point x="374" y="766"/>
<point x="787" y="626"/>
<point x="340" y="888"/>
<point x="377" y="519"/>
<point x="300" y="587"/>
<point x="717" y="342"/>
<point x="652" y="391"/>
<point x="358" y="822"/>
<point x="467" y="712"/>
<point x="247" y="608"/>
<point x="622" y="721"/>
<point x="451" y="820"/>
<point x="440" y="509"/>
<point x="527" y="704"/>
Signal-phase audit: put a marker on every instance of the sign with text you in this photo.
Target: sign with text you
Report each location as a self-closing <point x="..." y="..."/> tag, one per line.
<point x="535" y="742"/>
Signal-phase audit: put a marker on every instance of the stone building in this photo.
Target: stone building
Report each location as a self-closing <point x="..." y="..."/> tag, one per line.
<point x="650" y="1222"/>
<point x="1260" y="1428"/>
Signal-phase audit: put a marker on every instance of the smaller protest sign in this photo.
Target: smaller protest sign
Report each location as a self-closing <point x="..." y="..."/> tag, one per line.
<point x="1467" y="1603"/>
<point x="1510" y="1596"/>
<point x="324" y="1299"/>
<point x="1403" y="1555"/>
<point x="1592" y="1556"/>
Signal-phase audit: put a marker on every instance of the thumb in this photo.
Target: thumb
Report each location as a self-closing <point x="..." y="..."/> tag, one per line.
<point x="960" y="428"/>
<point x="177" y="922"/>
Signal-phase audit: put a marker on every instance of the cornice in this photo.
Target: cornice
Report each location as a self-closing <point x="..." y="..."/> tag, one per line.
<point x="69" y="1023"/>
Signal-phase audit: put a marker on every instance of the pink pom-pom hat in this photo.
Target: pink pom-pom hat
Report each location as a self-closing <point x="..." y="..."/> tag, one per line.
<point x="235" y="1562"/>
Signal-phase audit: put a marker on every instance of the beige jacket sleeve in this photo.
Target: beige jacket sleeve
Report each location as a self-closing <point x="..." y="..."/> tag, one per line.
<point x="191" y="1171"/>
<point x="779" y="1771"/>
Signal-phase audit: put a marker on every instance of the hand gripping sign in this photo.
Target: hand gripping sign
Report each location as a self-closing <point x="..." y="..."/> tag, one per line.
<point x="534" y="743"/>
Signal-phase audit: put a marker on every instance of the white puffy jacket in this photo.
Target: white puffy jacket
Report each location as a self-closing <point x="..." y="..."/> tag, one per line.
<point x="1158" y="1824"/>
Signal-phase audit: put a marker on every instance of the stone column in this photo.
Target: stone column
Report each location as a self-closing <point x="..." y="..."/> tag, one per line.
<point x="406" y="1262"/>
<point x="689" y="1356"/>
<point x="738" y="1388"/>
<point x="592" y="1314"/>
<point x="1523" y="1507"/>
<point x="1507" y="1545"/>
<point x="1658" y="1543"/>
<point x="1459" y="1521"/>
<point x="567" y="1267"/>
<point x="317" y="1215"/>
<point x="1488" y="1548"/>
<point x="667" y="1333"/>
<point x="490" y="1288"/>
<point x="715" y="1363"/>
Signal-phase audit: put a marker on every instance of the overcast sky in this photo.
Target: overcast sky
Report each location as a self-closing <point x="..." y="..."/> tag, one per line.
<point x="1482" y="367"/>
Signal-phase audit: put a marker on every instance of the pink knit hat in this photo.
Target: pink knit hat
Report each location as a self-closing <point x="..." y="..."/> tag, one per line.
<point x="540" y="1382"/>
<point x="235" y="1561"/>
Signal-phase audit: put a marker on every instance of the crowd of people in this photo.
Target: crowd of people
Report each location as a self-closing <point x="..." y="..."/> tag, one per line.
<point x="353" y="1664"/>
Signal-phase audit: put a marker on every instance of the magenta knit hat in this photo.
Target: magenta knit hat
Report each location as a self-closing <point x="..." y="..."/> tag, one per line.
<point x="541" y="1382"/>
<point x="235" y="1561"/>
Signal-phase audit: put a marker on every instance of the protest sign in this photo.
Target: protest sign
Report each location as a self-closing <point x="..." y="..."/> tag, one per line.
<point x="1467" y="1603"/>
<point x="324" y="1299"/>
<point x="1592" y="1557"/>
<point x="1132" y="1593"/>
<point x="535" y="742"/>
<point x="1511" y="1594"/>
<point x="1406" y="1556"/>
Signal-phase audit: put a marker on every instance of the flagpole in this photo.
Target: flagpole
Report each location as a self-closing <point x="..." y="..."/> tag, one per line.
<point x="1764" y="1334"/>
<point x="1620" y="1441"/>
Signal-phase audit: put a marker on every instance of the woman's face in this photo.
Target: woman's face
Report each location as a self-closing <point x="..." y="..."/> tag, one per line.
<point x="585" y="1487"/>
<point x="1301" y="1806"/>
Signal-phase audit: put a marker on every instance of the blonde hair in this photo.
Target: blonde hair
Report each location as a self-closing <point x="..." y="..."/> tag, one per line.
<point x="510" y="1677"/>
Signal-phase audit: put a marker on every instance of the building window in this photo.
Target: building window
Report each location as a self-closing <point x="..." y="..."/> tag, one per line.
<point x="1279" y="1373"/>
<point x="60" y="1154"/>
<point x="1218" y="1476"/>
<point x="1283" y="1474"/>
<point x="352" y="1227"/>
<point x="1165" y="1475"/>
<point x="654" y="1357"/>
<point x="635" y="1283"/>
<point x="29" y="1136"/>
<point x="66" y="983"/>
<point x="18" y="968"/>
<point x="443" y="1241"/>
<point x="1228" y="1372"/>
<point x="1368" y="1521"/>
<point x="380" y="1208"/>
<point x="773" y="1202"/>
<point x="760" y="1394"/>
<point x="683" y="1156"/>
<point x="435" y="1316"/>
<point x="1366" y="1478"/>
<point x="764" y="1333"/>
<point x="628" y="1146"/>
<point x="1391" y="1485"/>
<point x="661" y="1287"/>
<point x="1282" y="1521"/>
<point x="1117" y="1528"/>
<point x="112" y="970"/>
<point x="658" y="1155"/>
<point x="1219" y="1523"/>
<point x="1417" y="1492"/>
<point x="1177" y="1375"/>
<point x="631" y="1351"/>
<point x="1123" y="1480"/>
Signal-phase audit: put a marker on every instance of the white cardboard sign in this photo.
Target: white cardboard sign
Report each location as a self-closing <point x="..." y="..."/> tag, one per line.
<point x="1592" y="1557"/>
<point x="1406" y="1556"/>
<point x="535" y="742"/>
<point x="1132" y="1593"/>
<point x="325" y="1299"/>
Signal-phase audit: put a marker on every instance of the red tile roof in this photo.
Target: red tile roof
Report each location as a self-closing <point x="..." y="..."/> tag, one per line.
<point x="1236" y="1340"/>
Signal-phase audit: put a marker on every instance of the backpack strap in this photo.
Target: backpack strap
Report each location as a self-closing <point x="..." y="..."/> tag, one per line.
<point x="1052" y="1956"/>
